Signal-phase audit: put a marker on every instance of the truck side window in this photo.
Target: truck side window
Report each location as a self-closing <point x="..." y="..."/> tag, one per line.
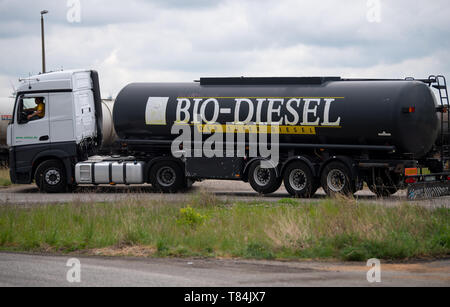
<point x="31" y="109"/>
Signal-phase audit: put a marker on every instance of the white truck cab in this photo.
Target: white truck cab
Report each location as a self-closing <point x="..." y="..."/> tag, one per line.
<point x="57" y="119"/>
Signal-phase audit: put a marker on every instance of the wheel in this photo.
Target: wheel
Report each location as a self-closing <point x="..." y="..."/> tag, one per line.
<point x="299" y="181"/>
<point x="385" y="185"/>
<point x="167" y="177"/>
<point x="337" y="179"/>
<point x="263" y="180"/>
<point x="50" y="177"/>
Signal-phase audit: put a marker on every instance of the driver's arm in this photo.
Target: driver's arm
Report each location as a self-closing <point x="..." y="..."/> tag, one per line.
<point x="36" y="112"/>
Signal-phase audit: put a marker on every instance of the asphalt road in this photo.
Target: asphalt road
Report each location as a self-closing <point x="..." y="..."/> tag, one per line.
<point x="46" y="271"/>
<point x="223" y="190"/>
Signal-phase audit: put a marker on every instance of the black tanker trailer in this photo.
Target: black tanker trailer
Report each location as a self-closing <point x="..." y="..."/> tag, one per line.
<point x="311" y="132"/>
<point x="335" y="133"/>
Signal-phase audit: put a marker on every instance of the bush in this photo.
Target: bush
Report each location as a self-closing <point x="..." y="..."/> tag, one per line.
<point x="162" y="246"/>
<point x="190" y="217"/>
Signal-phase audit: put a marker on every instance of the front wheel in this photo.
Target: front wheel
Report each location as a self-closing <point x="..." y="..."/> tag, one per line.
<point x="50" y="177"/>
<point x="336" y="179"/>
<point x="263" y="180"/>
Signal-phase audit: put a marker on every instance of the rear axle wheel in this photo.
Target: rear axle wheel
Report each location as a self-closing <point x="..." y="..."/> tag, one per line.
<point x="337" y="179"/>
<point x="299" y="181"/>
<point x="263" y="180"/>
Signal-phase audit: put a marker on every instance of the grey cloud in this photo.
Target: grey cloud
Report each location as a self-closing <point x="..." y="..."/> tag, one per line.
<point x="95" y="12"/>
<point x="187" y="39"/>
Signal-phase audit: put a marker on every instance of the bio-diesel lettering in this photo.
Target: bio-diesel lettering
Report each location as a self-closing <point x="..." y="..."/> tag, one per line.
<point x="238" y="109"/>
<point x="283" y="111"/>
<point x="292" y="111"/>
<point x="326" y="115"/>
<point x="183" y="110"/>
<point x="216" y="110"/>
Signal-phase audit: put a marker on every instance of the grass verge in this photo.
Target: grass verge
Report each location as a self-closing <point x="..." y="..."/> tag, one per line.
<point x="5" y="180"/>
<point x="327" y="229"/>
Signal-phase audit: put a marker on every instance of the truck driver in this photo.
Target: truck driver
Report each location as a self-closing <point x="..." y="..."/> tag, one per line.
<point x="39" y="110"/>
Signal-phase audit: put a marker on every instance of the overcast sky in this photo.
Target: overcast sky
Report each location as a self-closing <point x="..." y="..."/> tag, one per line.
<point x="182" y="40"/>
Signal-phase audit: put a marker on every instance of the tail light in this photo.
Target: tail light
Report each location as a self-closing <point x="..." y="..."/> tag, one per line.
<point x="410" y="180"/>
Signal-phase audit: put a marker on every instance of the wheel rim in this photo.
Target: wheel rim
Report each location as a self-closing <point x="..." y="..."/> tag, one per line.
<point x="298" y="180"/>
<point x="52" y="177"/>
<point x="336" y="180"/>
<point x="166" y="176"/>
<point x="261" y="176"/>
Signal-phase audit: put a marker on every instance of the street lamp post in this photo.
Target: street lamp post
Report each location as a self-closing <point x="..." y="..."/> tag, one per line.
<point x="42" y="37"/>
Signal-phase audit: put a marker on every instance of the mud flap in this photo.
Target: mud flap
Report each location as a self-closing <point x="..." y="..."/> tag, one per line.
<point x="427" y="190"/>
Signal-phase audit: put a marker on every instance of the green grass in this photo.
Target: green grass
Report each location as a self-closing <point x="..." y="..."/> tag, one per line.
<point x="5" y="180"/>
<point x="326" y="229"/>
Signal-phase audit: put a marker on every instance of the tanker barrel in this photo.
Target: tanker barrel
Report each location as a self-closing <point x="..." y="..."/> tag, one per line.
<point x="328" y="111"/>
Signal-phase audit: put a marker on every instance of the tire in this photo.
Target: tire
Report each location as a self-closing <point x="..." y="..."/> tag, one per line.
<point x="336" y="179"/>
<point x="263" y="180"/>
<point x="299" y="181"/>
<point x="167" y="177"/>
<point x="51" y="177"/>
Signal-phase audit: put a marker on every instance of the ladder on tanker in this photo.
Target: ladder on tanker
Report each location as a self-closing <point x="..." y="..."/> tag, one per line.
<point x="440" y="84"/>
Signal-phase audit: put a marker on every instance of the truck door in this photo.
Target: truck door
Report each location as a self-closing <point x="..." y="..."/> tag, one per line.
<point x="61" y="118"/>
<point x="31" y="122"/>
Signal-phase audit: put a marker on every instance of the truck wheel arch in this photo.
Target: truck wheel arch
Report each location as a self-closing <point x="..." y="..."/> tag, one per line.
<point x="303" y="159"/>
<point x="346" y="160"/>
<point x="59" y="155"/>
<point x="152" y="162"/>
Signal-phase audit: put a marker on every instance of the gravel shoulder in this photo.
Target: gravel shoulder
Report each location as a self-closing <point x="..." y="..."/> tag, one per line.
<point x="223" y="190"/>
